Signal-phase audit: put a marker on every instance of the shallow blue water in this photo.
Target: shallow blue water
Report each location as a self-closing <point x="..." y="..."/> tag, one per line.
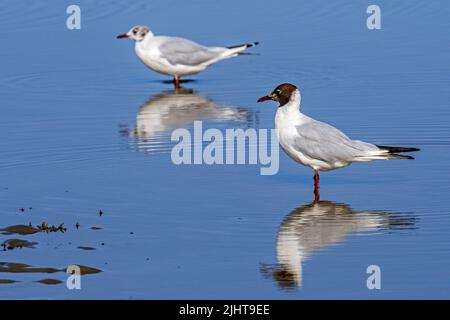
<point x="73" y="104"/>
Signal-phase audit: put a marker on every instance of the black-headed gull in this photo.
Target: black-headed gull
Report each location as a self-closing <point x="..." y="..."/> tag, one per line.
<point x="177" y="57"/>
<point x="316" y="144"/>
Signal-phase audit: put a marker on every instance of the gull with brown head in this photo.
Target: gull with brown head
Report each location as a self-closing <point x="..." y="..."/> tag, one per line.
<point x="319" y="145"/>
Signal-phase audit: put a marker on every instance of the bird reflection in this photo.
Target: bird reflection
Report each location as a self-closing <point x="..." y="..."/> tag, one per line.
<point x="174" y="109"/>
<point x="319" y="225"/>
<point x="170" y="110"/>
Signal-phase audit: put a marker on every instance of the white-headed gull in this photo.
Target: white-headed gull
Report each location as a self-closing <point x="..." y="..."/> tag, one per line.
<point x="177" y="57"/>
<point x="316" y="144"/>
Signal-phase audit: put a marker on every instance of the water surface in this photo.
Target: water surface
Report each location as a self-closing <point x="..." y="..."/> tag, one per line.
<point x="86" y="130"/>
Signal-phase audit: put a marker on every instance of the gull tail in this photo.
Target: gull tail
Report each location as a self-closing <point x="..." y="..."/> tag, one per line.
<point x="238" y="49"/>
<point x="393" y="152"/>
<point x="244" y="46"/>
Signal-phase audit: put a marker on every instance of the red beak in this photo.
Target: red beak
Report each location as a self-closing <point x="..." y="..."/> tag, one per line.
<point x="265" y="98"/>
<point x="121" y="36"/>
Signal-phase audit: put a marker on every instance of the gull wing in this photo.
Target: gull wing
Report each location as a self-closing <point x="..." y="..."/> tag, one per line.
<point x="186" y="52"/>
<point x="321" y="141"/>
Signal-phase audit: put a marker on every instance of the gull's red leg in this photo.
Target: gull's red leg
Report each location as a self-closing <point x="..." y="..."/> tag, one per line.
<point x="176" y="81"/>
<point x="316" y="186"/>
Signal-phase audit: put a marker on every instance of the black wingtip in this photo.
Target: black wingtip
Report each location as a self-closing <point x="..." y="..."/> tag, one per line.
<point x="252" y="44"/>
<point x="397" y="149"/>
<point x="247" y="45"/>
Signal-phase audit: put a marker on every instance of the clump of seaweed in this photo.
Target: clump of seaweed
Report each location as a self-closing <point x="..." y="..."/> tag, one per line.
<point x="44" y="227"/>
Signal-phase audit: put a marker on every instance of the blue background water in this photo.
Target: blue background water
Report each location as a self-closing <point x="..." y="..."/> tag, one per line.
<point x="68" y="97"/>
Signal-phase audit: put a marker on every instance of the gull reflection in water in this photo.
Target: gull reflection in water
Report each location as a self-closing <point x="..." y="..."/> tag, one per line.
<point x="319" y="225"/>
<point x="176" y="109"/>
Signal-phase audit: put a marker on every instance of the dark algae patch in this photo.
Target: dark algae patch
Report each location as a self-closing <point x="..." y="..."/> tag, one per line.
<point x="7" y="281"/>
<point x="29" y="229"/>
<point x="24" y="268"/>
<point x="86" y="248"/>
<point x="49" y="281"/>
<point x="19" y="229"/>
<point x="88" y="270"/>
<point x="13" y="267"/>
<point x="12" y="244"/>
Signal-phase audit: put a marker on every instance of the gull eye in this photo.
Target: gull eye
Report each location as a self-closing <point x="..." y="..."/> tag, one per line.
<point x="134" y="31"/>
<point x="278" y="91"/>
